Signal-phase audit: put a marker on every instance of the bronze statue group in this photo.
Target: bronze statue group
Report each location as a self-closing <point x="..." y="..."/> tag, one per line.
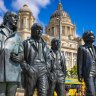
<point x="37" y="66"/>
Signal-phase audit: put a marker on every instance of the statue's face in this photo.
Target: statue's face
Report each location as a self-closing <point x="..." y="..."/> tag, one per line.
<point x="37" y="32"/>
<point x="13" y="20"/>
<point x="56" y="44"/>
<point x="91" y="37"/>
<point x="88" y="37"/>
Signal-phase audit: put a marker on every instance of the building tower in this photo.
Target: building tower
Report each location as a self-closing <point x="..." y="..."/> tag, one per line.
<point x="68" y="29"/>
<point x="26" y="20"/>
<point x="69" y="42"/>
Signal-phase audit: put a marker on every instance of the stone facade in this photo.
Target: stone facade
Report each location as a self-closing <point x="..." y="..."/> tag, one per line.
<point x="69" y="41"/>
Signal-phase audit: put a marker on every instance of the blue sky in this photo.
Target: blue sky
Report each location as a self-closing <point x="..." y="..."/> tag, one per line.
<point x="82" y="12"/>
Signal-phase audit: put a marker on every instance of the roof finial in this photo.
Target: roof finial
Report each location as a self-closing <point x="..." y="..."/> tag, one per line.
<point x="60" y="5"/>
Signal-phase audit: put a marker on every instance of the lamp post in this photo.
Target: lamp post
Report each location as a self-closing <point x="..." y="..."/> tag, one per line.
<point x="60" y="29"/>
<point x="60" y="20"/>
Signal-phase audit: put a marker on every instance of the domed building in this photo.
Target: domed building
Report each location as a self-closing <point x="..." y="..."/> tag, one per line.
<point x="68" y="29"/>
<point x="26" y="20"/>
<point x="69" y="41"/>
<point x="60" y="25"/>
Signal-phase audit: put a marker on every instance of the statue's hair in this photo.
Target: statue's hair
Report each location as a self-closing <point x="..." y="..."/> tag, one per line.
<point x="86" y="35"/>
<point x="35" y="26"/>
<point x="54" y="40"/>
<point x="7" y="16"/>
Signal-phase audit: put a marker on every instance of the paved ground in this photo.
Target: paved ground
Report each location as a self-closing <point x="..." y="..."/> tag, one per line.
<point x="20" y="92"/>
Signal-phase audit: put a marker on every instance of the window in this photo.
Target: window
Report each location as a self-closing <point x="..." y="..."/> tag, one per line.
<point x="57" y="30"/>
<point x="68" y="30"/>
<point x="48" y="32"/>
<point x="22" y="23"/>
<point x="52" y="31"/>
<point x="63" y="30"/>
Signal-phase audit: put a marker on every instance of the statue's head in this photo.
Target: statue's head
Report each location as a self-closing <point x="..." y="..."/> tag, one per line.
<point x="36" y="31"/>
<point x="88" y="37"/>
<point x="10" y="19"/>
<point x="55" y="44"/>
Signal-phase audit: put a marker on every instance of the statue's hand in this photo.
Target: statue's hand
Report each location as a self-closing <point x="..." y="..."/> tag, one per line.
<point x="52" y="77"/>
<point x="16" y="57"/>
<point x="29" y="70"/>
<point x="80" y="79"/>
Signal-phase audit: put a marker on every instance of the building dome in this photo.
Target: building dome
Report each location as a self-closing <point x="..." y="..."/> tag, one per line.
<point x="58" y="13"/>
<point x="61" y="20"/>
<point x="25" y="8"/>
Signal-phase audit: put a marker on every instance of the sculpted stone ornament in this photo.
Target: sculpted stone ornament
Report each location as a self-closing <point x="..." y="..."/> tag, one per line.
<point x="35" y="63"/>
<point x="57" y="69"/>
<point x="86" y="63"/>
<point x="11" y="55"/>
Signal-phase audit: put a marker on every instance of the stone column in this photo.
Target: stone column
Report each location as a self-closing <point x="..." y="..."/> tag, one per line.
<point x="19" y="23"/>
<point x="56" y="30"/>
<point x="24" y="23"/>
<point x="55" y="34"/>
<point x="72" y="59"/>
<point x="70" y="32"/>
<point x="66" y="34"/>
<point x="31" y="21"/>
<point x="74" y="31"/>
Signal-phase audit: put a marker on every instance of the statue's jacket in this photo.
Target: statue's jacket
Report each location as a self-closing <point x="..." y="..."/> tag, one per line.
<point x="9" y="70"/>
<point x="30" y="52"/>
<point x="58" y="67"/>
<point x="84" y="61"/>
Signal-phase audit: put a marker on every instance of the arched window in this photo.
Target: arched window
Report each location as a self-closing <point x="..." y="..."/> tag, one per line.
<point x="63" y="30"/>
<point x="52" y="31"/>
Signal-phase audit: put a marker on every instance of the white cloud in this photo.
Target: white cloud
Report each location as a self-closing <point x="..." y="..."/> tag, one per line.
<point x="1" y="19"/>
<point x="77" y="35"/>
<point x="42" y="3"/>
<point x="3" y="9"/>
<point x="34" y="5"/>
<point x="2" y="6"/>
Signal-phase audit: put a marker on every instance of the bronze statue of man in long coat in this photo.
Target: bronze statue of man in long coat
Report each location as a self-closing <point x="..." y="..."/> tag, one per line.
<point x="11" y="55"/>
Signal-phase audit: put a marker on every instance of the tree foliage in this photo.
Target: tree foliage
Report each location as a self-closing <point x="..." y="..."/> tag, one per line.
<point x="73" y="72"/>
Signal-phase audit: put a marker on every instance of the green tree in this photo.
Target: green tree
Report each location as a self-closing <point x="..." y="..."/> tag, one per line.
<point x="73" y="71"/>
